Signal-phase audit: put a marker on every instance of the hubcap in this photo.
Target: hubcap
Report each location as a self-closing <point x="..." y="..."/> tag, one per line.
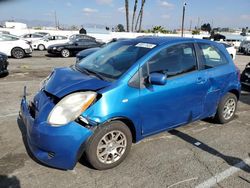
<point x="65" y="53"/>
<point x="18" y="53"/>
<point x="229" y="109"/>
<point x="41" y="47"/>
<point x="111" y="147"/>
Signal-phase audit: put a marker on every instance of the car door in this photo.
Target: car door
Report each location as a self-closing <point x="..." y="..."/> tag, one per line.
<point x="181" y="99"/>
<point x="217" y="72"/>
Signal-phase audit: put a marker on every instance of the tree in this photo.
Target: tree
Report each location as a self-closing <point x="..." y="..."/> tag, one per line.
<point x="127" y="14"/>
<point x="142" y="8"/>
<point x="119" y="28"/>
<point x="133" y="18"/>
<point x="196" y="32"/>
<point x="140" y="16"/>
<point x="206" y="27"/>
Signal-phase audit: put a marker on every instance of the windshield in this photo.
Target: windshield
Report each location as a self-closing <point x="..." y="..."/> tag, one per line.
<point x="115" y="59"/>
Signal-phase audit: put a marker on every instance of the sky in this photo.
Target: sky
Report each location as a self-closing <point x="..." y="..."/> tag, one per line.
<point x="167" y="13"/>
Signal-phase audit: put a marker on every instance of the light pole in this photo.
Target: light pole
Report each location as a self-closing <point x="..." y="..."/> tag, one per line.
<point x="183" y="18"/>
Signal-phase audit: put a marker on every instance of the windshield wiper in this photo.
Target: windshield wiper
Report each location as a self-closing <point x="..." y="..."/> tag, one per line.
<point x="90" y="72"/>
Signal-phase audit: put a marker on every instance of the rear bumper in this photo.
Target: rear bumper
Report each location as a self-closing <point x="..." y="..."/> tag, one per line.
<point x="54" y="146"/>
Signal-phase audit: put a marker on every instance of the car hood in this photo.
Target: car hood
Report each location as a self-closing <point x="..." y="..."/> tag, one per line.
<point x="68" y="80"/>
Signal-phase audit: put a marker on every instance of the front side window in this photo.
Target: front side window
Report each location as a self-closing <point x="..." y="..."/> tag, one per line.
<point x="173" y="61"/>
<point x="115" y="59"/>
<point x="211" y="56"/>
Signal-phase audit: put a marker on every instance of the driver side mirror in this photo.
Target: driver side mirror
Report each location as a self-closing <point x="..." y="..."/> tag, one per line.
<point x="157" y="79"/>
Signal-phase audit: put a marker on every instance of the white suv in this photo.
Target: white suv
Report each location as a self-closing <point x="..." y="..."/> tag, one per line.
<point x="14" y="46"/>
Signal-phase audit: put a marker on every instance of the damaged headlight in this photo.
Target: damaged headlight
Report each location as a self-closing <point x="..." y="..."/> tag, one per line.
<point x="70" y="107"/>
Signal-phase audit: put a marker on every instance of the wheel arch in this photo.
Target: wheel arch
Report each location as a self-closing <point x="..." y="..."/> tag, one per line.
<point x="235" y="92"/>
<point x="128" y="123"/>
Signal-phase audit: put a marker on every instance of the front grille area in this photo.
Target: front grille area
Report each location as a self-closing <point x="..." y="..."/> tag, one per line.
<point x="32" y="110"/>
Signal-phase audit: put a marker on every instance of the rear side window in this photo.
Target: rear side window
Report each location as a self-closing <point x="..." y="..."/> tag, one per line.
<point x="174" y="60"/>
<point x="211" y="56"/>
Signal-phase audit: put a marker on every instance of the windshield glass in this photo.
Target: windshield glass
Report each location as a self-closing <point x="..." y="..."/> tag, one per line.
<point x="115" y="59"/>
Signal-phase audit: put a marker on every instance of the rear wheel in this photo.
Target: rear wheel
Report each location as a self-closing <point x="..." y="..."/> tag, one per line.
<point x="41" y="47"/>
<point x="109" y="145"/>
<point x="226" y="109"/>
<point x="17" y="53"/>
<point x="65" y="53"/>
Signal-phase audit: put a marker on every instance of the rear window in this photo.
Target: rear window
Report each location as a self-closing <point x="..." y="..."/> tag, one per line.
<point x="211" y="56"/>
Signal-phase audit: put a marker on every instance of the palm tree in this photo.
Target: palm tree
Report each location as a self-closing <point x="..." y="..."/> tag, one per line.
<point x="127" y="14"/>
<point x="140" y="15"/>
<point x="142" y="7"/>
<point x="133" y="18"/>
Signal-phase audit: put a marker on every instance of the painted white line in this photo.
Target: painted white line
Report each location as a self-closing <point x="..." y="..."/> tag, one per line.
<point x="223" y="175"/>
<point x="9" y="115"/>
<point x="182" y="182"/>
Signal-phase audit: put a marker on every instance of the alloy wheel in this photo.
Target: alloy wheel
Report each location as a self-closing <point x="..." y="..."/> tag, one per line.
<point x="111" y="147"/>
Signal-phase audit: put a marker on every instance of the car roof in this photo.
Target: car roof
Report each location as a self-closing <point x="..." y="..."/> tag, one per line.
<point x="167" y="40"/>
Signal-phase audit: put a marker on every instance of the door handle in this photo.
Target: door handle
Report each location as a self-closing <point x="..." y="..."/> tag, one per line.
<point x="201" y="80"/>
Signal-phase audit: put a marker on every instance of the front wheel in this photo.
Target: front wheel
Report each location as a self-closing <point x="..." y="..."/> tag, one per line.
<point x="226" y="109"/>
<point x="65" y="53"/>
<point x="17" y="53"/>
<point x="109" y="145"/>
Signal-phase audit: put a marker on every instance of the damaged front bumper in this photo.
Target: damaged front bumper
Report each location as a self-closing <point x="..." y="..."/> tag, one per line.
<point x="58" y="147"/>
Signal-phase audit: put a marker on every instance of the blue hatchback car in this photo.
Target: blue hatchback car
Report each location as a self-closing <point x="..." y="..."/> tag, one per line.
<point x="125" y="92"/>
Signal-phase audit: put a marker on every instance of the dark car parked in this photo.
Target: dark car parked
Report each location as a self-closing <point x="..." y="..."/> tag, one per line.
<point x="245" y="77"/>
<point x="84" y="53"/>
<point x="3" y="64"/>
<point x="73" y="47"/>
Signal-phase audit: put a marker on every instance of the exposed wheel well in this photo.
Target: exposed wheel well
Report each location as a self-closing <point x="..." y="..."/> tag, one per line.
<point x="235" y="92"/>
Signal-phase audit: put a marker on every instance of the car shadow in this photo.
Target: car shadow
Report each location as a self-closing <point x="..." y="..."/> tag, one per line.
<point x="12" y="181"/>
<point x="4" y="75"/>
<point x="23" y="131"/>
<point x="52" y="55"/>
<point x="232" y="161"/>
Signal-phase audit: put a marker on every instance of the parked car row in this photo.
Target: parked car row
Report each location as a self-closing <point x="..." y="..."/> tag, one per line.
<point x="19" y="47"/>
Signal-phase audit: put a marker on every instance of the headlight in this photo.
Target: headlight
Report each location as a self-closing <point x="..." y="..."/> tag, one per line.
<point x="54" y="48"/>
<point x="70" y="107"/>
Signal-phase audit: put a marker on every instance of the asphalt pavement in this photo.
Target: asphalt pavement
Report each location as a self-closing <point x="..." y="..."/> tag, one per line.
<point x="201" y="154"/>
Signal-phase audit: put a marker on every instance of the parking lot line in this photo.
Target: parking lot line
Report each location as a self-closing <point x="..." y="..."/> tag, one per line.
<point x="183" y="181"/>
<point x="225" y="174"/>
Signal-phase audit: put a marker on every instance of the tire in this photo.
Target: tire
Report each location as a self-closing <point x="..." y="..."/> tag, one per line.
<point x="105" y="138"/>
<point x="65" y="53"/>
<point x="41" y="47"/>
<point x="226" y="109"/>
<point x="17" y="53"/>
